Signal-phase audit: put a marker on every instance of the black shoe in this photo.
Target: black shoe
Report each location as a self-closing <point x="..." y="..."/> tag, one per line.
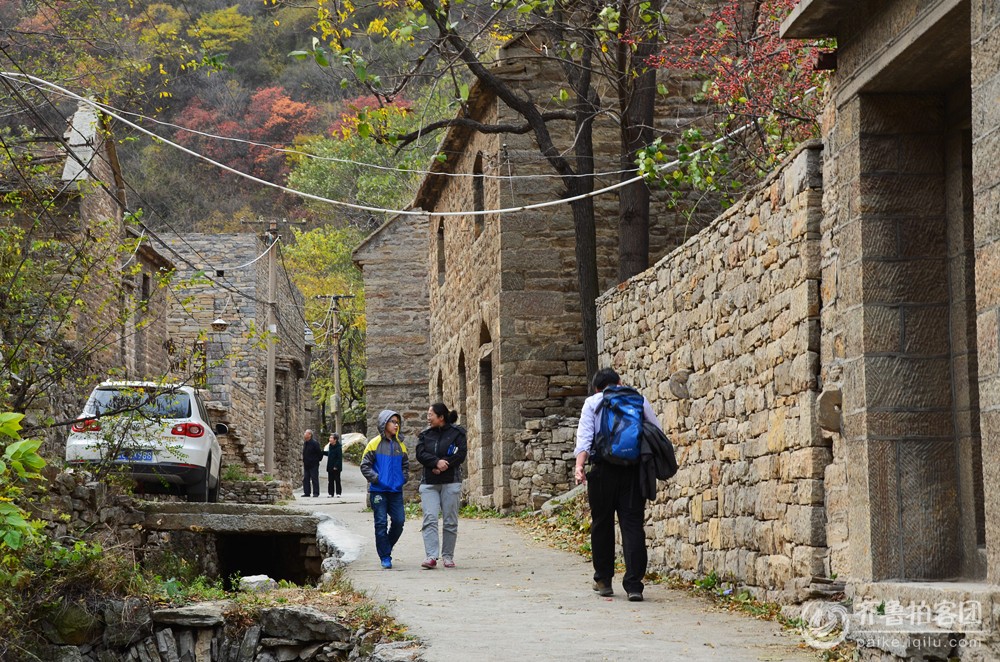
<point x="603" y="588"/>
<point x="635" y="597"/>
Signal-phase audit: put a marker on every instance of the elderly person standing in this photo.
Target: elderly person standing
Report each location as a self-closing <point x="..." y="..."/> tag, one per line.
<point x="312" y="453"/>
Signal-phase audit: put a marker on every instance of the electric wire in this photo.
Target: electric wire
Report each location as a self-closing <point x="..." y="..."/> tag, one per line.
<point x="333" y="159"/>
<point x="350" y="205"/>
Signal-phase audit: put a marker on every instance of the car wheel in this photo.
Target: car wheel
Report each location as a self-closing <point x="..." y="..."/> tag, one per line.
<point x="213" y="492"/>
<point x="199" y="492"/>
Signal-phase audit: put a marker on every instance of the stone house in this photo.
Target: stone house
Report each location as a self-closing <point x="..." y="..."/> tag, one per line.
<point x="231" y="363"/>
<point x="492" y="323"/>
<point x="119" y="328"/>
<point x="397" y="311"/>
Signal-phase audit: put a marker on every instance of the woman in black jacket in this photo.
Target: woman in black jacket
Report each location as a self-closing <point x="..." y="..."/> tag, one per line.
<point x="441" y="449"/>
<point x="334" y="464"/>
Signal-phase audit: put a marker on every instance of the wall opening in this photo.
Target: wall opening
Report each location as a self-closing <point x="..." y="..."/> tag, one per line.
<point x="486" y="422"/>
<point x="479" y="193"/>
<point x="280" y="557"/>
<point x="440" y="252"/>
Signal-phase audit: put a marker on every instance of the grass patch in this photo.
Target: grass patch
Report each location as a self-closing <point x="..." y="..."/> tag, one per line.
<point x="474" y="511"/>
<point x="237" y="473"/>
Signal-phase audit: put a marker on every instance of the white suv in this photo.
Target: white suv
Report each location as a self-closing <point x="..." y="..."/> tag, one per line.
<point x="160" y="432"/>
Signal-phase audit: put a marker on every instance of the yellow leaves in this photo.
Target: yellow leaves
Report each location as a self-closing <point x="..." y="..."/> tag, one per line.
<point x="277" y="23"/>
<point x="378" y="27"/>
<point x="163" y="72"/>
<point x="496" y="34"/>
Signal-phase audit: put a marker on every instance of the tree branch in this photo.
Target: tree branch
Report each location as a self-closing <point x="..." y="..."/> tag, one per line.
<point x="518" y="129"/>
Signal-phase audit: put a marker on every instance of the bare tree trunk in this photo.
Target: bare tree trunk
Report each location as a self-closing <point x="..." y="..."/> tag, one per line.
<point x="636" y="97"/>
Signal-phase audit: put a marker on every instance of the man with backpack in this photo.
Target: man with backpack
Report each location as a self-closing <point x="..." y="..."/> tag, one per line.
<point x="610" y="436"/>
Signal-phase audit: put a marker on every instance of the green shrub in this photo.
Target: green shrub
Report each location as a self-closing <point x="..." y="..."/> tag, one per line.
<point x="354" y="452"/>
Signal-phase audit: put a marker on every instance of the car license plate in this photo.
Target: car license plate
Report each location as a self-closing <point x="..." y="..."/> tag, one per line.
<point x="136" y="456"/>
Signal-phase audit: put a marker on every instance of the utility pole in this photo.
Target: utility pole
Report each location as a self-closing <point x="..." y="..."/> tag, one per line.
<point x="271" y="238"/>
<point x="272" y="331"/>
<point x="335" y="301"/>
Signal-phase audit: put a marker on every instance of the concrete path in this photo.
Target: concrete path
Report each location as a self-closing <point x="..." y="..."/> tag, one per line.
<point x="512" y="598"/>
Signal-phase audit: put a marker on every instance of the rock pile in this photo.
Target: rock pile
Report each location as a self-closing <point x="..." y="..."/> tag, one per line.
<point x="131" y="630"/>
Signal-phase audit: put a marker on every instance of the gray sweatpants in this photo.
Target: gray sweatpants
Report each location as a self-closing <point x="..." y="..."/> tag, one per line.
<point x="443" y="500"/>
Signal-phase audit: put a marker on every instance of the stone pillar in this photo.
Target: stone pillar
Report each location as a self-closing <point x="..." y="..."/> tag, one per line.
<point x="899" y="425"/>
<point x="986" y="202"/>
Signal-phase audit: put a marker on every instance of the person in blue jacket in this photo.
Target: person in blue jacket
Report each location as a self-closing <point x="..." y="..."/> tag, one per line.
<point x="386" y="466"/>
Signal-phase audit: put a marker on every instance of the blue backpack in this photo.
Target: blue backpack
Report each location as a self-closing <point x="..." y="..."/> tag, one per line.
<point x="619" y="437"/>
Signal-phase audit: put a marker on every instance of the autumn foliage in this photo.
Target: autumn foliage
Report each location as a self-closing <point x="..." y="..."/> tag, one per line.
<point x="753" y="74"/>
<point x="270" y="118"/>
<point x="369" y="114"/>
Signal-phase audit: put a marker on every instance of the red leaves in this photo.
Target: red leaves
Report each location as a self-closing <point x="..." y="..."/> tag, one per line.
<point x="752" y="71"/>
<point x="270" y="118"/>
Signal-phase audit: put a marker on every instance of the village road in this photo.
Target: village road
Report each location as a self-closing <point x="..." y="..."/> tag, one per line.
<point x="512" y="598"/>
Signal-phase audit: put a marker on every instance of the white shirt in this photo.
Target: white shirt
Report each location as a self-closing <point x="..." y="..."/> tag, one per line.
<point x="590" y="422"/>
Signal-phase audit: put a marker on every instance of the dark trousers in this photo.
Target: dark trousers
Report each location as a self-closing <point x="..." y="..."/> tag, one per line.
<point x="611" y="490"/>
<point x="334" y="481"/>
<point x="310" y="476"/>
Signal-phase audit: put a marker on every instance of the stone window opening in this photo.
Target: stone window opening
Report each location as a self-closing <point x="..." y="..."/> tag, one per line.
<point x="440" y="253"/>
<point x="486" y="422"/>
<point x="440" y="387"/>
<point x="478" y="194"/>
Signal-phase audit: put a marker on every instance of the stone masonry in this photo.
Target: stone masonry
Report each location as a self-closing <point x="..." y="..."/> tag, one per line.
<point x="722" y="336"/>
<point x="232" y="364"/>
<point x="543" y="462"/>
<point x="397" y="313"/>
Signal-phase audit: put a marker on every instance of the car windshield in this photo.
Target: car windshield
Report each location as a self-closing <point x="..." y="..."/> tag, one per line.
<point x="149" y="402"/>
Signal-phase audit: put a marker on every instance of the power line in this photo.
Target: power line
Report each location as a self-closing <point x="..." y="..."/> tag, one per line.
<point x="333" y="159"/>
<point x="341" y="203"/>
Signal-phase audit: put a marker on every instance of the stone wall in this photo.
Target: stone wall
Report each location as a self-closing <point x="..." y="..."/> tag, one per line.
<point x="986" y="203"/>
<point x="73" y="504"/>
<point x="146" y="297"/>
<point x="255" y="491"/>
<point x="392" y="261"/>
<point x="231" y="364"/>
<point x="543" y="462"/>
<point x="722" y="336"/>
